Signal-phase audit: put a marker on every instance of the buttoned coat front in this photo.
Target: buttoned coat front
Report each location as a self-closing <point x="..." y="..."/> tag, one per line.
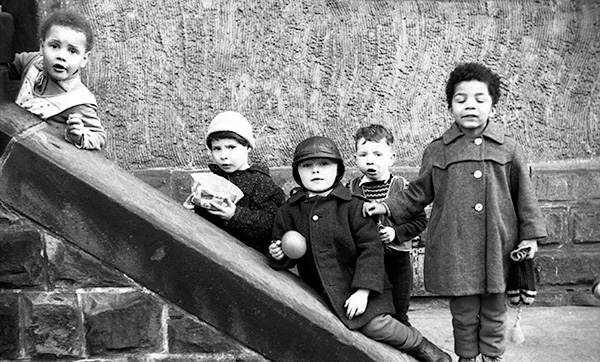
<point x="344" y="251"/>
<point x="484" y="204"/>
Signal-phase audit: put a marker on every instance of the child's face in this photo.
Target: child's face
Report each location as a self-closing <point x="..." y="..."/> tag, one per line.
<point x="374" y="159"/>
<point x="317" y="174"/>
<point x="471" y="106"/>
<point x="64" y="52"/>
<point x="229" y="155"/>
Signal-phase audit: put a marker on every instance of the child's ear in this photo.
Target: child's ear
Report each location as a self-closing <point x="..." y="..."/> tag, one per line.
<point x="86" y="57"/>
<point x="492" y="112"/>
<point x="392" y="158"/>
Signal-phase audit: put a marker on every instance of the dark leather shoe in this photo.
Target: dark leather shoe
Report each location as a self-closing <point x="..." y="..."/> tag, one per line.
<point x="428" y="352"/>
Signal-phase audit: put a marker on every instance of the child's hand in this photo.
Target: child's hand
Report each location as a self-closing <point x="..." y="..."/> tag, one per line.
<point x="275" y="250"/>
<point x="387" y="234"/>
<point x="357" y="303"/>
<point x="373" y="208"/>
<point x="223" y="210"/>
<point x="532" y="243"/>
<point x="75" y="128"/>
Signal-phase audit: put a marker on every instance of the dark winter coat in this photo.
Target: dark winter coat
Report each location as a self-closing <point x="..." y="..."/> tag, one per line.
<point x="252" y="221"/>
<point x="484" y="204"/>
<point x="344" y="251"/>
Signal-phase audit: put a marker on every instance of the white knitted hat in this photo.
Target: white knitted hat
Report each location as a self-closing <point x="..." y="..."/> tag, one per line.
<point x="232" y="122"/>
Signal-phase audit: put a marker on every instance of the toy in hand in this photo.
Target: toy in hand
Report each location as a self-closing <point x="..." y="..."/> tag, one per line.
<point x="293" y="244"/>
<point x="209" y="189"/>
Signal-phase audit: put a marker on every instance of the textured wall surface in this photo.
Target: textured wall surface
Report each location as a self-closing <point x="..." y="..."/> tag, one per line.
<point x="163" y="69"/>
<point x="58" y="302"/>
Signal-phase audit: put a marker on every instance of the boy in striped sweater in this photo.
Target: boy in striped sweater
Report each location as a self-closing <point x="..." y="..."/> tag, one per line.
<point x="374" y="156"/>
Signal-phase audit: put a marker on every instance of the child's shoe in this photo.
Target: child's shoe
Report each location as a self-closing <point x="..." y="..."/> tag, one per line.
<point x="491" y="359"/>
<point x="428" y="352"/>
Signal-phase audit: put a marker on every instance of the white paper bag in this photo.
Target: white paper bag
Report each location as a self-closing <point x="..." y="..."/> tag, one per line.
<point x="208" y="188"/>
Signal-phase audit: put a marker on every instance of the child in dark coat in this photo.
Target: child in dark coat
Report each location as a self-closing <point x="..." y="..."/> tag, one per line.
<point x="229" y="139"/>
<point x="344" y="256"/>
<point x="484" y="207"/>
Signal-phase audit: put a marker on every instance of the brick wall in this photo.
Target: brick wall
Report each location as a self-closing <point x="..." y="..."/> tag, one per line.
<point x="569" y="193"/>
<point x="57" y="301"/>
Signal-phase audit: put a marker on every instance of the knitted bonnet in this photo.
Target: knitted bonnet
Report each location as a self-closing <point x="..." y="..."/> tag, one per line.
<point x="232" y="122"/>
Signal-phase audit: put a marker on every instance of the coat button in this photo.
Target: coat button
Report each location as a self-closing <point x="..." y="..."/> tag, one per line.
<point x="477" y="174"/>
<point x="315" y="217"/>
<point x="478" y="207"/>
<point x="478" y="141"/>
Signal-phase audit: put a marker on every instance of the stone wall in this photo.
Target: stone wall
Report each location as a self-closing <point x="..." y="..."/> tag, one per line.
<point x="569" y="193"/>
<point x="56" y="301"/>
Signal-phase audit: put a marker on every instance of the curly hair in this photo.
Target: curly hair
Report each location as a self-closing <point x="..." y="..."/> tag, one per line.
<point x="473" y="71"/>
<point x="69" y="19"/>
<point x="374" y="133"/>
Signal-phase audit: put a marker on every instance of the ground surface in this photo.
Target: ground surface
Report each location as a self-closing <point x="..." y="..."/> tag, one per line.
<point x="552" y="334"/>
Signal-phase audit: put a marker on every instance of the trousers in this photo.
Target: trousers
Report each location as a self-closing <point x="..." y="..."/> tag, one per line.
<point x="384" y="328"/>
<point x="400" y="273"/>
<point x="479" y="324"/>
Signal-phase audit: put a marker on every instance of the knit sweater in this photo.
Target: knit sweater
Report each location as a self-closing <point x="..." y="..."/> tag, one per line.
<point x="378" y="191"/>
<point x="253" y="218"/>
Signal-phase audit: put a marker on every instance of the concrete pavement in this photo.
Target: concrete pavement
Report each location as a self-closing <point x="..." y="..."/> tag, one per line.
<point x="552" y="334"/>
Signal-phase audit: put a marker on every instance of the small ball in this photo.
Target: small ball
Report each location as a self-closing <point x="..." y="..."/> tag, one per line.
<point x="293" y="244"/>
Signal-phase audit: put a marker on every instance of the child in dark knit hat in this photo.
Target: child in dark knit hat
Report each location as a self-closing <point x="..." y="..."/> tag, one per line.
<point x="484" y="207"/>
<point x="229" y="139"/>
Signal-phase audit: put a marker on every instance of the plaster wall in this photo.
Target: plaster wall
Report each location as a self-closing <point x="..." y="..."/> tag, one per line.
<point x="163" y="69"/>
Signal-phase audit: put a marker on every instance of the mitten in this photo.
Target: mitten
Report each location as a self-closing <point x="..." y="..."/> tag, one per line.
<point x="521" y="278"/>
